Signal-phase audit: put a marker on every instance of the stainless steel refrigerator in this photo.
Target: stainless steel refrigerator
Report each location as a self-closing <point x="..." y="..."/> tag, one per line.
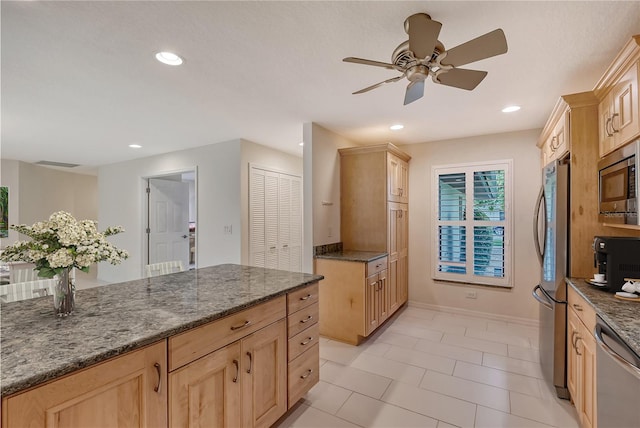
<point x="551" y="237"/>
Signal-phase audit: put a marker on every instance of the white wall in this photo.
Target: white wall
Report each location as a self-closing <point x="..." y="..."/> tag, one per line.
<point x="222" y="187"/>
<point x="35" y="192"/>
<point x="326" y="184"/>
<point x="515" y="302"/>
<point x="218" y="194"/>
<point x="260" y="155"/>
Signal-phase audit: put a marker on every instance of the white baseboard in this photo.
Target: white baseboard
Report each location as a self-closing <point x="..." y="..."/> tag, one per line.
<point x="457" y="311"/>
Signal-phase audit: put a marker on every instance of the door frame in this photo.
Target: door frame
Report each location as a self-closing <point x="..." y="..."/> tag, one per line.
<point x="144" y="220"/>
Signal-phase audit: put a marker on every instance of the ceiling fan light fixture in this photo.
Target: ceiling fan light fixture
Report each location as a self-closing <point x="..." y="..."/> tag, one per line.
<point x="396" y="127"/>
<point x="510" y="109"/>
<point x="168" y="58"/>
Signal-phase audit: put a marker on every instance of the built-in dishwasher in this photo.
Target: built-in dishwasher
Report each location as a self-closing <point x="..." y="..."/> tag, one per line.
<point x="618" y="380"/>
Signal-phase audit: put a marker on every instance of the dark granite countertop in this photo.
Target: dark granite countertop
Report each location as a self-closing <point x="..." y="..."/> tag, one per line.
<point x="622" y="316"/>
<point x="353" y="256"/>
<point x="36" y="346"/>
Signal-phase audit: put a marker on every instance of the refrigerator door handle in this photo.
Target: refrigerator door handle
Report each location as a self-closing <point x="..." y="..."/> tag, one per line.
<point x="536" y="231"/>
<point x="545" y="303"/>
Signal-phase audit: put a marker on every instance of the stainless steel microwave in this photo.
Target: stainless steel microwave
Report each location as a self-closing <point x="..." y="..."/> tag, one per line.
<point x="618" y="185"/>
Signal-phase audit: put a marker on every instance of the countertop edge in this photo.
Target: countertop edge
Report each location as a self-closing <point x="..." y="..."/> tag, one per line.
<point x="355" y="256"/>
<point x="624" y="334"/>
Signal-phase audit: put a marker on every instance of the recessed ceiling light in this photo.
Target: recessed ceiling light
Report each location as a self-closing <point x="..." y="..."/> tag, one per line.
<point x="396" y="127"/>
<point x="168" y="58"/>
<point x="135" y="146"/>
<point x="301" y="143"/>
<point x="510" y="109"/>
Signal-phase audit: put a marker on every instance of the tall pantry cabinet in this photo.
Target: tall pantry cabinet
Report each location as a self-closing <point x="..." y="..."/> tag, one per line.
<point x="374" y="209"/>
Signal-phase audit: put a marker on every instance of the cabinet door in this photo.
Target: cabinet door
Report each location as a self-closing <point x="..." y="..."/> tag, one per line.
<point x="127" y="391"/>
<point x="624" y="121"/>
<point x="264" y="375"/>
<point x="398" y="253"/>
<point x="605" y="112"/>
<point x="383" y="297"/>
<point x="371" y="304"/>
<point x="586" y="346"/>
<point x="207" y="391"/>
<point x="573" y="330"/>
<point x="397" y="179"/>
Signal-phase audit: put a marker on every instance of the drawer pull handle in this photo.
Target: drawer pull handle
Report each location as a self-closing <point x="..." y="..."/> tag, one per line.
<point x="235" y="378"/>
<point x="307" y="374"/>
<point x="577" y="307"/>
<point x="307" y="341"/>
<point x="250" y="362"/>
<point x="306" y="320"/>
<point x="238" y="327"/>
<point x="306" y="297"/>
<point x="157" y="387"/>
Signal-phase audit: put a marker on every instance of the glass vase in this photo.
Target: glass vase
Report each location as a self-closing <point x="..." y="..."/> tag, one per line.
<point x="64" y="294"/>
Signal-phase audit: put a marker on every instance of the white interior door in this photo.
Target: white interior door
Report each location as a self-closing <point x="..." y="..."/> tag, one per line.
<point x="168" y="221"/>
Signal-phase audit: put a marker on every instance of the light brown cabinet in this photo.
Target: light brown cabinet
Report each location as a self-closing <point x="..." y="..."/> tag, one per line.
<point x="303" y="348"/>
<point x="558" y="143"/>
<point x="581" y="358"/>
<point x="130" y="390"/>
<point x="617" y="92"/>
<point x="397" y="179"/>
<point x="354" y="298"/>
<point x="377" y="298"/>
<point x="374" y="209"/>
<point x="243" y="383"/>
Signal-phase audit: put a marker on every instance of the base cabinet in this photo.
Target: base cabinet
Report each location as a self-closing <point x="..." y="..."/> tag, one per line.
<point x="127" y="391"/>
<point x="581" y="358"/>
<point x="354" y="298"/>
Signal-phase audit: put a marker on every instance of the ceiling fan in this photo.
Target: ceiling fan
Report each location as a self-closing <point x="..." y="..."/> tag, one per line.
<point x="423" y="55"/>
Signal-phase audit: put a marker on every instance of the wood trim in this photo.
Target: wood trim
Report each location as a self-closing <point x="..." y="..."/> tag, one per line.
<point x="629" y="54"/>
<point x="388" y="147"/>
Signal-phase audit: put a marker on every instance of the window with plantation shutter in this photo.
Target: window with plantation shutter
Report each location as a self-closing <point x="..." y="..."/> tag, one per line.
<point x="472" y="216"/>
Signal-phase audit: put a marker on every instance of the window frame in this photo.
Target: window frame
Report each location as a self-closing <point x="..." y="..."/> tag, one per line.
<point x="469" y="222"/>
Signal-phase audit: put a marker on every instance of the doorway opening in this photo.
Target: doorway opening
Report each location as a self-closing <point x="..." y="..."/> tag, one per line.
<point x="170" y="218"/>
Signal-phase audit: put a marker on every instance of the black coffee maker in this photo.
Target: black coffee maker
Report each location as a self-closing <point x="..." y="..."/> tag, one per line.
<point x="617" y="258"/>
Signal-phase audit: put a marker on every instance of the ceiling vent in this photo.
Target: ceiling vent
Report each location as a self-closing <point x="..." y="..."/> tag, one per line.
<point x="60" y="164"/>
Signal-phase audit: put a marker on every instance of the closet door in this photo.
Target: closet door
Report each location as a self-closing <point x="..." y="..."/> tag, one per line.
<point x="275" y="220"/>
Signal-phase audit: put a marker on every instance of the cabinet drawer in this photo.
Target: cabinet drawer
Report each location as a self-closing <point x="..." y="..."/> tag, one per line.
<point x="584" y="310"/>
<point x="302" y="319"/>
<point x="198" y="342"/>
<point x="301" y="298"/>
<point x="303" y="341"/>
<point x="376" y="266"/>
<point x="304" y="373"/>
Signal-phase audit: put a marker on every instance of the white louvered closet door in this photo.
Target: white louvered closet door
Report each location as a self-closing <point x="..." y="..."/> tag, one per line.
<point x="275" y="220"/>
<point x="257" y="241"/>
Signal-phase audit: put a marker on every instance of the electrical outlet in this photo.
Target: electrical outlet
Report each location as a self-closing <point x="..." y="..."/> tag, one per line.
<point x="471" y="295"/>
<point x="228" y="230"/>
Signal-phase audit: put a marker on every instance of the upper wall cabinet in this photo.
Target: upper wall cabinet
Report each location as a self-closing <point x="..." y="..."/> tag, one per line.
<point x="398" y="179"/>
<point x="617" y="92"/>
<point x="556" y="139"/>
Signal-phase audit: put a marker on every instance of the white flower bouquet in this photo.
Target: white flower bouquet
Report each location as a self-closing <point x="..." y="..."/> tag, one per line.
<point x="64" y="243"/>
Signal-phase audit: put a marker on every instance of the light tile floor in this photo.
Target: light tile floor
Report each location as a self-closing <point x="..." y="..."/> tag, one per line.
<point x="432" y="369"/>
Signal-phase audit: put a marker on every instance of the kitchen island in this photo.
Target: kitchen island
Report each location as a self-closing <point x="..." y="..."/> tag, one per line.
<point x="188" y="316"/>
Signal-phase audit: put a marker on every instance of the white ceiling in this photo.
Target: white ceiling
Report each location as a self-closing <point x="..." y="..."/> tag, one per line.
<point x="80" y="82"/>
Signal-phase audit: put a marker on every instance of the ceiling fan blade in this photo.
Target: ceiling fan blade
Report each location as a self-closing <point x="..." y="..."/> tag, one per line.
<point x="486" y="46"/>
<point x="461" y="78"/>
<point x="368" y="88"/>
<point x="374" y="63"/>
<point x="415" y="91"/>
<point x="423" y="34"/>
